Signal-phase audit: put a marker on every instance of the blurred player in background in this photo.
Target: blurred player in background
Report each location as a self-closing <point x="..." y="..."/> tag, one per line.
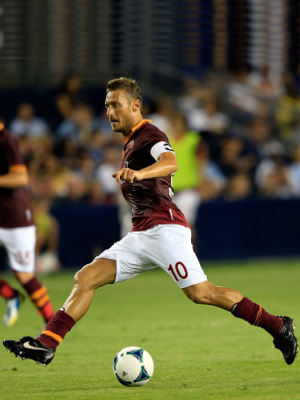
<point x="187" y="147"/>
<point x="17" y="232"/>
<point x="160" y="237"/>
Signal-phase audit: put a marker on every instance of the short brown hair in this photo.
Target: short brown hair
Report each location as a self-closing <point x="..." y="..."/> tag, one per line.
<point x="130" y="86"/>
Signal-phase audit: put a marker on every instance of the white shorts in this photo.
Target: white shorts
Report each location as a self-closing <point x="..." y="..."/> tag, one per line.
<point x="165" y="246"/>
<point x="20" y="247"/>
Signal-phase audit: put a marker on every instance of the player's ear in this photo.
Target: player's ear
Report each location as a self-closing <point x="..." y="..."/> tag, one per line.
<point x="136" y="105"/>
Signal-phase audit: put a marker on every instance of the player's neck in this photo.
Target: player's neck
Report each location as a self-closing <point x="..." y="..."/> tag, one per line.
<point x="134" y="125"/>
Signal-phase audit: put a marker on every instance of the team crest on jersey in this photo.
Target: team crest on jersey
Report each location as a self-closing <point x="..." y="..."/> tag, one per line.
<point x="130" y="144"/>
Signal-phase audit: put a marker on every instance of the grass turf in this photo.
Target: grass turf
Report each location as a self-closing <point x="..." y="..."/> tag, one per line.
<point x="199" y="352"/>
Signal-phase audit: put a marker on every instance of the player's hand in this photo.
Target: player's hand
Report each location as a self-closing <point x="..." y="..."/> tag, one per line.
<point x="127" y="175"/>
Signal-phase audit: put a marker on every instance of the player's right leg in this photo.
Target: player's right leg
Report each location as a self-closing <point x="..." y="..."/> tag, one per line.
<point x="99" y="273"/>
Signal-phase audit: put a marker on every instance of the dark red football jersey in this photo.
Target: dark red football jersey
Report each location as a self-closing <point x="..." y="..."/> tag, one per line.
<point x="15" y="211"/>
<point x="150" y="199"/>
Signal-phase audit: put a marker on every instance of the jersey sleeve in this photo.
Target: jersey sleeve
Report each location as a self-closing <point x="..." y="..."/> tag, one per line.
<point x="158" y="148"/>
<point x="13" y="156"/>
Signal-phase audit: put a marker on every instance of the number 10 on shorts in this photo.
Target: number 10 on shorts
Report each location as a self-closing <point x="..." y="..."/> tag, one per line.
<point x="179" y="271"/>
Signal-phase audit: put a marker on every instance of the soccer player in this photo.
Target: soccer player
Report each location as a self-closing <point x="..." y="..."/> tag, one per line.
<point x="160" y="237"/>
<point x="17" y="232"/>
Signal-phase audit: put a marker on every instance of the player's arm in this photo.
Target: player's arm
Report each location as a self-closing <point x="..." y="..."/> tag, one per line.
<point x="17" y="176"/>
<point x="165" y="165"/>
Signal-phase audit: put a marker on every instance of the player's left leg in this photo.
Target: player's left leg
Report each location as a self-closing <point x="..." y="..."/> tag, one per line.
<point x="120" y="262"/>
<point x="98" y="273"/>
<point x="281" y="328"/>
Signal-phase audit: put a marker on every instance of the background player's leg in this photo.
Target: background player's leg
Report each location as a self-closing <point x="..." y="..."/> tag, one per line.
<point x="37" y="292"/>
<point x="99" y="273"/>
<point x="6" y="290"/>
<point x="13" y="298"/>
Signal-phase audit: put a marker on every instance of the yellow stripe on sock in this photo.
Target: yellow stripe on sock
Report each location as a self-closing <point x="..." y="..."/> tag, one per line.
<point x="41" y="302"/>
<point x="38" y="293"/>
<point x="53" y="335"/>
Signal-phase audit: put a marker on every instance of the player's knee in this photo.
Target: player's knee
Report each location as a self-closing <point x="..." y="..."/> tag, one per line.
<point x="23" y="277"/>
<point x="202" y="293"/>
<point x="82" y="279"/>
<point x="199" y="298"/>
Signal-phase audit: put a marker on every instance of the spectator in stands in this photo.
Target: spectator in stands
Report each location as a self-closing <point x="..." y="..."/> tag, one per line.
<point x="236" y="156"/>
<point x="264" y="83"/>
<point x="162" y="115"/>
<point x="213" y="181"/>
<point x="27" y="124"/>
<point x="260" y="133"/>
<point x="271" y="176"/>
<point x="77" y="189"/>
<point x="69" y="95"/>
<point x="79" y="127"/>
<point x="84" y="164"/>
<point x="210" y="189"/>
<point x="239" y="187"/>
<point x="240" y="98"/>
<point x="293" y="171"/>
<point x="103" y="173"/>
<point x="49" y="177"/>
<point x="210" y="118"/>
<point x="287" y="113"/>
<point x="65" y="150"/>
<point x="275" y="184"/>
<point x="96" y="146"/>
<point x="96" y="194"/>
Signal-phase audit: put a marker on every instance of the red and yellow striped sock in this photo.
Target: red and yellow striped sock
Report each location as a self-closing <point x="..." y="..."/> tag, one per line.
<point x="56" y="329"/>
<point x="40" y="298"/>
<point x="7" y="291"/>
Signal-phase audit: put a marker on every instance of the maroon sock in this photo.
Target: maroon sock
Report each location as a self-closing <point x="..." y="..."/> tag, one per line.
<point x="6" y="290"/>
<point x="256" y="315"/>
<point x="56" y="329"/>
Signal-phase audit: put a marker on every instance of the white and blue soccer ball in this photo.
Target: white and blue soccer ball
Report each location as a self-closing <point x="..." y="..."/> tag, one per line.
<point x="133" y="366"/>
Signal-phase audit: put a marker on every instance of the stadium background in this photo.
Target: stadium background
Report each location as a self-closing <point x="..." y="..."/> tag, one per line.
<point x="239" y="56"/>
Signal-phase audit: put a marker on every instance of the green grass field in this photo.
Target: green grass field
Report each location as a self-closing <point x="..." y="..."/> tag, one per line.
<point x="199" y="352"/>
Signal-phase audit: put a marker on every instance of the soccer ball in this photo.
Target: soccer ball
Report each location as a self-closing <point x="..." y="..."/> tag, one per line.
<point x="133" y="366"/>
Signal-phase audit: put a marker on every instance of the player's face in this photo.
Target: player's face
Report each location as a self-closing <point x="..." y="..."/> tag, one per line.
<point x="120" y="111"/>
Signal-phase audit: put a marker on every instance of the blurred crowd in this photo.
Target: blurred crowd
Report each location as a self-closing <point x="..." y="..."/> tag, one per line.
<point x="236" y="136"/>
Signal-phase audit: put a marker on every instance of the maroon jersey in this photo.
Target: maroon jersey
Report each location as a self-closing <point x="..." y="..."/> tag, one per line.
<point x="150" y="199"/>
<point x="15" y="209"/>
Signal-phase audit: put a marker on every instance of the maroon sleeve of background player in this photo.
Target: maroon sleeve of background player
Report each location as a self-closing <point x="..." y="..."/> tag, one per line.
<point x="12" y="153"/>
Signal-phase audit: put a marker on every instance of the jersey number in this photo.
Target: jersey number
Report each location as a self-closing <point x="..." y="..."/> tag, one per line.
<point x="22" y="258"/>
<point x="179" y="271"/>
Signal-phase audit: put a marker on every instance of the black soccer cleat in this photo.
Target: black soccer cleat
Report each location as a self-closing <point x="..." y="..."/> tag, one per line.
<point x="27" y="347"/>
<point x="286" y="341"/>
